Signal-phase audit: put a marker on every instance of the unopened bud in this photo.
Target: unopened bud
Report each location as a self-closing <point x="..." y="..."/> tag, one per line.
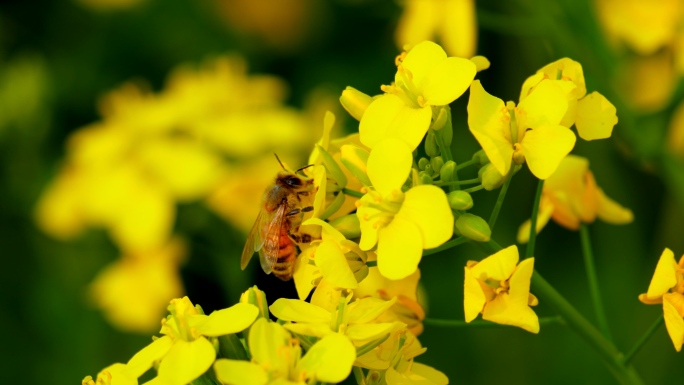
<point x="431" y="148"/>
<point x="446" y="173"/>
<point x="460" y="200"/>
<point x="355" y="102"/>
<point x="436" y="163"/>
<point x="490" y="177"/>
<point x="348" y="225"/>
<point x="422" y="162"/>
<point x="332" y="167"/>
<point x="473" y="227"/>
<point x="355" y="159"/>
<point x="230" y="346"/>
<point x="424" y="177"/>
<point x="481" y="157"/>
<point x="440" y="120"/>
<point x="256" y="297"/>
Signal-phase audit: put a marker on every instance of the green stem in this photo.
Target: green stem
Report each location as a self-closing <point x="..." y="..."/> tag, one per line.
<point x="466" y="164"/>
<point x="352" y="193"/>
<point x="499" y="201"/>
<point x="358" y="374"/>
<point x="452" y="243"/>
<point x="456" y="183"/>
<point x="446" y="156"/>
<point x="473" y="189"/>
<point x="593" y="282"/>
<point x="655" y="326"/>
<point x="487" y="324"/>
<point x="624" y="373"/>
<point x="372" y="263"/>
<point x="529" y="251"/>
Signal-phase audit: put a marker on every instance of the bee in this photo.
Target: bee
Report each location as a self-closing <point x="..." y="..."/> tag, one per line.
<point x="275" y="231"/>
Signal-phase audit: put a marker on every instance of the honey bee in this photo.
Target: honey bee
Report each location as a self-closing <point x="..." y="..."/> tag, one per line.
<point x="274" y="234"/>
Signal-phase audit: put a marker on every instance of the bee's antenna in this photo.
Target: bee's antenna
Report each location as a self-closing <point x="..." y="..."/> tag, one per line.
<point x="304" y="168"/>
<point x="281" y="163"/>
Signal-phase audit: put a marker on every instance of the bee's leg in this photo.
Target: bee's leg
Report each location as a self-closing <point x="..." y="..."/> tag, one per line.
<point x="293" y="212"/>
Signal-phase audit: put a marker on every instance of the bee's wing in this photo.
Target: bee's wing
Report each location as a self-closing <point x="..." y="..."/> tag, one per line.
<point x="254" y="240"/>
<point x="268" y="254"/>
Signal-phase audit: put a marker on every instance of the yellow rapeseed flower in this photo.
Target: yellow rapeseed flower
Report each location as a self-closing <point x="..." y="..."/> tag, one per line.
<point x="530" y="132"/>
<point x="401" y="224"/>
<point x="426" y="77"/>
<point x="571" y="196"/>
<point x="500" y="290"/>
<point x="667" y="287"/>
<point x="115" y="374"/>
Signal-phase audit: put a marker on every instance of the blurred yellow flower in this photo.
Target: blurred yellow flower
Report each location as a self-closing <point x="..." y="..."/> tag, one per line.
<point x="115" y="374"/>
<point x="134" y="290"/>
<point x="426" y="77"/>
<point x="453" y="22"/>
<point x="530" y="132"/>
<point x="570" y="196"/>
<point x="500" y="290"/>
<point x="667" y="287"/>
<point x="401" y="224"/>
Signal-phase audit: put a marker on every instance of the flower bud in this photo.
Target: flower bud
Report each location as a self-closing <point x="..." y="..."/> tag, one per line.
<point x="257" y="298"/>
<point x="422" y="162"/>
<point x="481" y="157"/>
<point x="473" y="227"/>
<point x="431" y="148"/>
<point x="332" y="167"/>
<point x="355" y="159"/>
<point x="440" y="120"/>
<point x="424" y="177"/>
<point x="460" y="200"/>
<point x="436" y="163"/>
<point x="348" y="225"/>
<point x="490" y="177"/>
<point x="446" y="172"/>
<point x="230" y="346"/>
<point x="355" y="102"/>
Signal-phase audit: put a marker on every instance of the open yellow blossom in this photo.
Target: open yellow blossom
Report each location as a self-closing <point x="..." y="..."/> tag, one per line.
<point x="500" y="290"/>
<point x="593" y="115"/>
<point x="401" y="224"/>
<point x="356" y="320"/>
<point x="426" y="77"/>
<point x="571" y="196"/>
<point x="115" y="374"/>
<point x="335" y="259"/>
<point x="185" y="352"/>
<point x="396" y="358"/>
<point x="667" y="287"/>
<point x="453" y="22"/>
<point x="530" y="132"/>
<point x="134" y="290"/>
<point x="277" y="359"/>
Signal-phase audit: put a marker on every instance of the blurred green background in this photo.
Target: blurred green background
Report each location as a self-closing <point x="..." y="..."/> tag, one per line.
<point x="57" y="58"/>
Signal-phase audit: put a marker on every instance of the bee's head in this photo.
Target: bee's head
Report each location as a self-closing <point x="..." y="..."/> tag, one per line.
<point x="289" y="179"/>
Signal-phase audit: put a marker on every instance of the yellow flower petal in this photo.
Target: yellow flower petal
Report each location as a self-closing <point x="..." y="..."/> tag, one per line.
<point x="116" y="374"/>
<point x="235" y="372"/>
<point x="328" y="123"/>
<point x="428" y="208"/>
<point x="545" y="146"/>
<point x="334" y="267"/>
<point x="329" y="360"/>
<point x="389" y="117"/>
<point x="545" y="211"/>
<point x="365" y="310"/>
<point x="321" y="183"/>
<point x="421" y="60"/>
<point x="369" y="232"/>
<point x="473" y="297"/>
<point x="673" y="319"/>
<point x="305" y="273"/>
<point x="228" y="321"/>
<point x="367" y="332"/>
<point x="545" y="105"/>
<point x="433" y="375"/>
<point x="489" y="122"/>
<point x="298" y="311"/>
<point x="389" y="165"/>
<point x="512" y="308"/>
<point x="571" y="71"/>
<point x="611" y="211"/>
<point x="417" y="22"/>
<point x="498" y="266"/>
<point x="186" y="361"/>
<point x="459" y="27"/>
<point x="268" y="343"/>
<point x="665" y="276"/>
<point x="447" y="80"/>
<point x="143" y="360"/>
<point x="399" y="249"/>
<point x="310" y="329"/>
<point x="596" y="117"/>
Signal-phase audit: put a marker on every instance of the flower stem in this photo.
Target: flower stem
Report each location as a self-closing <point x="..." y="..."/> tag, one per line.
<point x="452" y="183"/>
<point x="529" y="251"/>
<point x="473" y="189"/>
<point x="452" y="243"/>
<point x="486" y="324"/>
<point x="352" y="192"/>
<point x="633" y="351"/>
<point x="446" y="155"/>
<point x="593" y="282"/>
<point x="466" y="164"/>
<point x="499" y="201"/>
<point x="358" y="374"/>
